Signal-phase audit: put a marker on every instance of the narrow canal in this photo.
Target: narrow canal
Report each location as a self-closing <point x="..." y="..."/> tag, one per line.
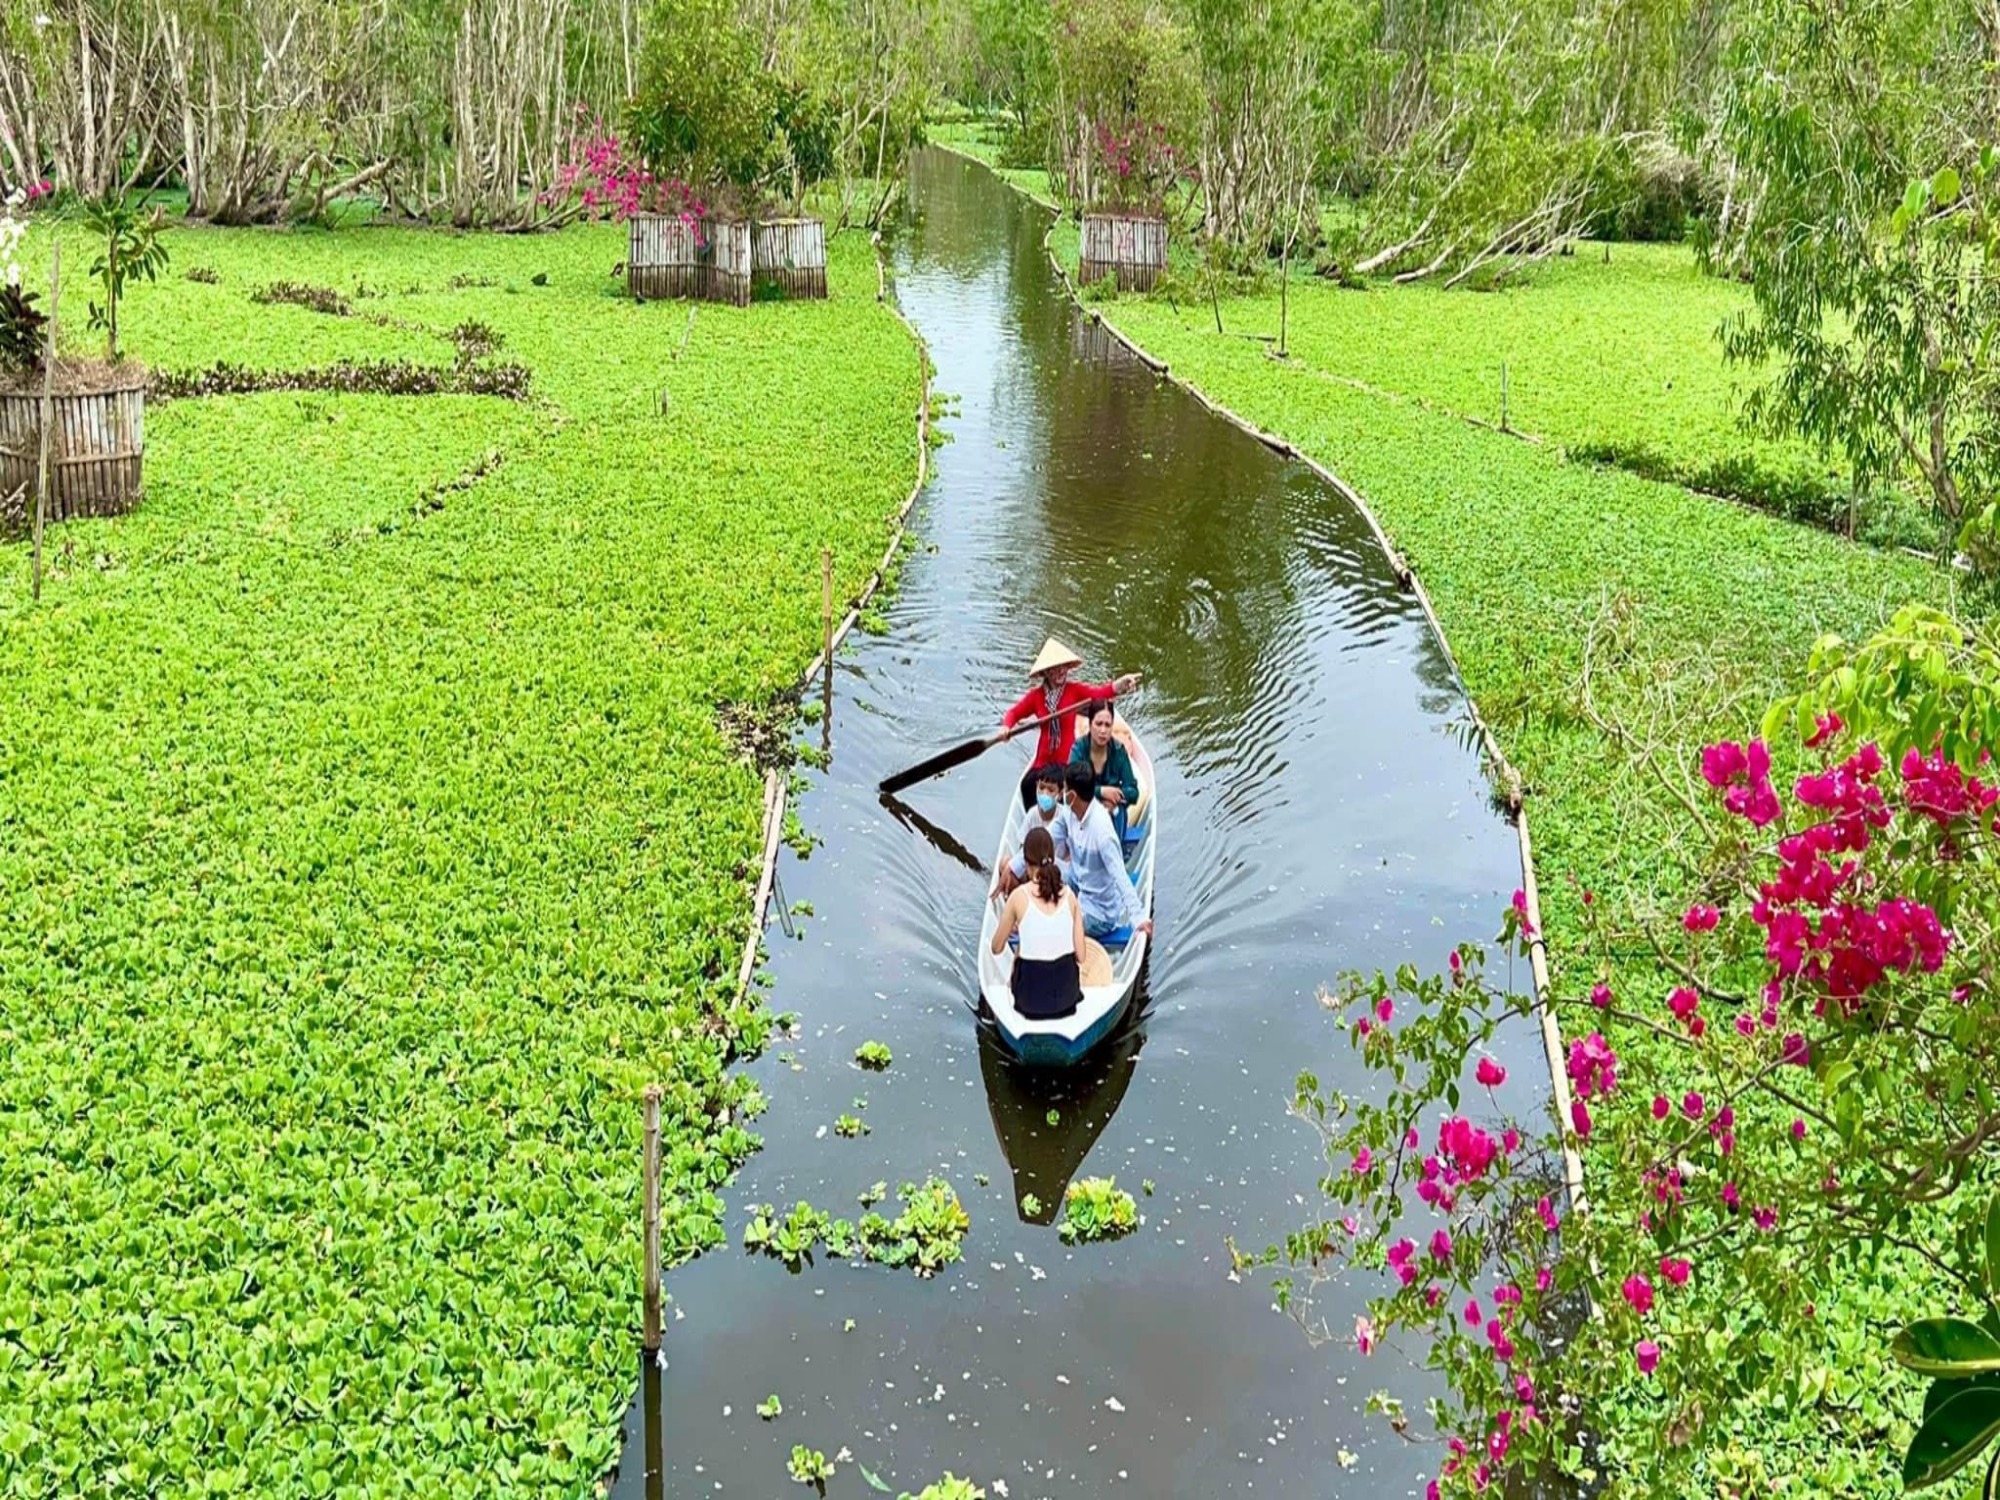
<point x="1322" y="809"/>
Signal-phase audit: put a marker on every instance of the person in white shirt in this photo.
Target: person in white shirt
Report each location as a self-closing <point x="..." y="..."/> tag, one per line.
<point x="1096" y="866"/>
<point x="1048" y="981"/>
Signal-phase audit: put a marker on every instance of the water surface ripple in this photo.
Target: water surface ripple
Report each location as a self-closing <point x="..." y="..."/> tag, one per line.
<point x="1321" y="810"/>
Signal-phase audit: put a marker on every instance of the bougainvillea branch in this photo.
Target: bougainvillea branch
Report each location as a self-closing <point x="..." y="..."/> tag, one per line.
<point x="1806" y="1072"/>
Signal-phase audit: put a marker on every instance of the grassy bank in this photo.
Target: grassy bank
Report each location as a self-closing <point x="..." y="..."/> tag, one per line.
<point x="368" y="841"/>
<point x="1611" y="357"/>
<point x="1524" y="553"/>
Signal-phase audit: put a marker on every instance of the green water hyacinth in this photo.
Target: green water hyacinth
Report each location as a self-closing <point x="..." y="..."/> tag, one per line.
<point x="1096" y="1208"/>
<point x="368" y="843"/>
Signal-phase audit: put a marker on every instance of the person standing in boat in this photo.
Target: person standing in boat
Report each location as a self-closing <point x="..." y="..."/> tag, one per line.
<point x="1096" y="870"/>
<point x="1048" y="981"/>
<point x="1054" y="693"/>
<point x="1113" y="781"/>
<point x="1045" y="812"/>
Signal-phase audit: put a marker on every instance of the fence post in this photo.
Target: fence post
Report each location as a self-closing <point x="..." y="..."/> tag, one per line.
<point x="652" y="1228"/>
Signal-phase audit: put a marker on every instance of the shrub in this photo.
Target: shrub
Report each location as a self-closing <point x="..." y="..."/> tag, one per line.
<point x="1815" y="1084"/>
<point x="319" y="299"/>
<point x="704" y="109"/>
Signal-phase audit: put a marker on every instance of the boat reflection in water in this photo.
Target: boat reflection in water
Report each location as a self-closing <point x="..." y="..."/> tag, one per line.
<point x="1045" y="1157"/>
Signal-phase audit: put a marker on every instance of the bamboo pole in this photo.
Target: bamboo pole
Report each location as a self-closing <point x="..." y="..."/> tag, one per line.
<point x="48" y="412"/>
<point x="826" y="651"/>
<point x="652" y="1229"/>
<point x="1503" y="395"/>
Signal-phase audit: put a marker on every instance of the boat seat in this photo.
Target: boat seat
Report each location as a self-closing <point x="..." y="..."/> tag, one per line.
<point x="1113" y="941"/>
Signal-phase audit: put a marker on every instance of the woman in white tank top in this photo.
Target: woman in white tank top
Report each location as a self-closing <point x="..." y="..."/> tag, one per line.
<point x="1047" y="981"/>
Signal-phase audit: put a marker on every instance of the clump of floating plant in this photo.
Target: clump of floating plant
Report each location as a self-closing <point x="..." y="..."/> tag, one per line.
<point x="928" y="1235"/>
<point x="810" y="1466"/>
<point x="849" y="1126"/>
<point x="1030" y="1205"/>
<point x="874" y="1056"/>
<point x="770" y="1407"/>
<point x="1098" y="1209"/>
<point x="948" y="1488"/>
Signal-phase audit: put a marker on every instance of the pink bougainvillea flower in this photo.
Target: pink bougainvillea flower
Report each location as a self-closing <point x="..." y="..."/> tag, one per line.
<point x="1639" y="1294"/>
<point x="1746" y="1024"/>
<point x="1825" y="727"/>
<point x="1693" y="1105"/>
<point x="1647" y="1354"/>
<point x="1675" y="1272"/>
<point x="1661" y="1108"/>
<point x="1385" y="1008"/>
<point x="1510" y="1141"/>
<point x="1579" y="1119"/>
<point x="1701" y="918"/>
<point x="1440" y="1245"/>
<point x="1364" y="1335"/>
<point x="1490" y="1074"/>
<point x="1731" y="1197"/>
<point x="1362" y="1027"/>
<point x="1742" y="773"/>
<point x="1472" y="1311"/>
<point x="1364" y="1161"/>
<point x="1683" y="1002"/>
<point x="1795" y="1050"/>
<point x="1600" y="995"/>
<point x="1798" y="1129"/>
<point x="1547" y="1211"/>
<point x="1593" y="1066"/>
<point x="1520" y="905"/>
<point x="1544" y="1279"/>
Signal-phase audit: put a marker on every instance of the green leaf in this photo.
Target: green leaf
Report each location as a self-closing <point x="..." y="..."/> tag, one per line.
<point x="1991" y="1489"/>
<point x="1944" y="186"/>
<point x="1952" y="1436"/>
<point x="1945" y="1387"/>
<point x="1993" y="1246"/>
<point x="1946" y="1346"/>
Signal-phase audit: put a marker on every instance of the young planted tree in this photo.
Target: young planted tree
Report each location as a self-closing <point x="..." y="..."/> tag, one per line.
<point x="1858" y="140"/>
<point x="132" y="248"/>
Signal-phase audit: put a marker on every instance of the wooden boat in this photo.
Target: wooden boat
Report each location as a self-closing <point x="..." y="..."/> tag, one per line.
<point x="1062" y="1042"/>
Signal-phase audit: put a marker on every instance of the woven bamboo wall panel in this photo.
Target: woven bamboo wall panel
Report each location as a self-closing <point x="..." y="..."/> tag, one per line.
<point x="96" y="449"/>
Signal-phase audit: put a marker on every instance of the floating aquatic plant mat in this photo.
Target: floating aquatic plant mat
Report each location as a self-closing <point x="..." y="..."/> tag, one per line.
<point x="350" y="894"/>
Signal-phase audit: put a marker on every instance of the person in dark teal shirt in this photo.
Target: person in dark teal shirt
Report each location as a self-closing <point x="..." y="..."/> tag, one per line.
<point x="1113" y="781"/>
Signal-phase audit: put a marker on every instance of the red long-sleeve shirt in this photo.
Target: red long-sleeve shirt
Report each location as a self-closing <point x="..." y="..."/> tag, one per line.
<point x="1058" y="736"/>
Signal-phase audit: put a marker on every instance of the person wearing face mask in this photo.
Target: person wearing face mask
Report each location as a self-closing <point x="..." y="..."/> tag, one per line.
<point x="1096" y="866"/>
<point x="1055" y="694"/>
<point x="1046" y="813"/>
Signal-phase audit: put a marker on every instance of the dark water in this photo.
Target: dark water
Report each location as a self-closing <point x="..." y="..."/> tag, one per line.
<point x="1321" y="809"/>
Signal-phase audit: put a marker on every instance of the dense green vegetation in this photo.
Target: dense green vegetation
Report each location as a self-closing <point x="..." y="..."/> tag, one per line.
<point x="368" y="840"/>
<point x="1700" y="611"/>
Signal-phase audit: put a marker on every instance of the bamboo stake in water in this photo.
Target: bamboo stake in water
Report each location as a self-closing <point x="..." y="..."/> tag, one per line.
<point x="48" y="411"/>
<point x="652" y="1230"/>
<point x="1503" y="395"/>
<point x="826" y="657"/>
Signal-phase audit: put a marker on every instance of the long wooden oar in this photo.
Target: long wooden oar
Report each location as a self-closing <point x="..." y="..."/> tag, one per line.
<point x="958" y="755"/>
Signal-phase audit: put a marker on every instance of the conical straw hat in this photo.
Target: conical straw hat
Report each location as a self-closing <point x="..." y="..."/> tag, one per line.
<point x="1054" y="654"/>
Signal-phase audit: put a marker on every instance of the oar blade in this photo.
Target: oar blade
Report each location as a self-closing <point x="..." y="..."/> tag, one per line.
<point x="937" y="765"/>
